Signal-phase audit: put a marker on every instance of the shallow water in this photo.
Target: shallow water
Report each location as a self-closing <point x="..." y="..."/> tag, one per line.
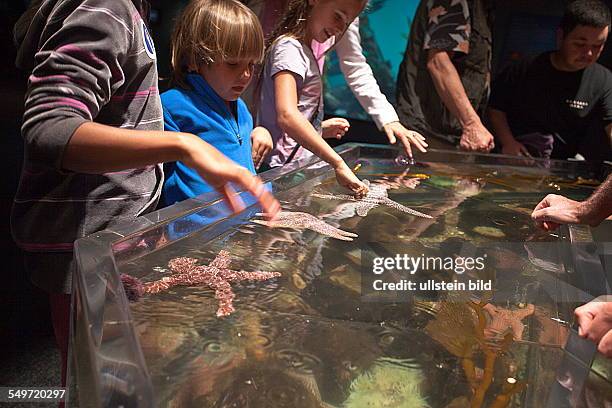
<point x="315" y="338"/>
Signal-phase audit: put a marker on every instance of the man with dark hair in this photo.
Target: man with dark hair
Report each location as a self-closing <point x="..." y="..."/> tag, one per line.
<point x="560" y="103"/>
<point x="444" y="80"/>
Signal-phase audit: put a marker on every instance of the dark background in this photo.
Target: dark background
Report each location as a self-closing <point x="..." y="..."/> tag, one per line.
<point x="26" y="335"/>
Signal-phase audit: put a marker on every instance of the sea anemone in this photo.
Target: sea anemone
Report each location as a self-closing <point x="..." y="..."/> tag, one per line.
<point x="389" y="383"/>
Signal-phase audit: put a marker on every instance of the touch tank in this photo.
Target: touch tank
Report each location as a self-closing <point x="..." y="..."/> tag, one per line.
<point x="193" y="307"/>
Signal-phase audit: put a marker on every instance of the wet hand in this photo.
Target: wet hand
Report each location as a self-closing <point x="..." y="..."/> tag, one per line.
<point x="219" y="171"/>
<point x="261" y="145"/>
<point x="395" y="130"/>
<point x="555" y="210"/>
<point x="335" y="128"/>
<point x="348" y="179"/>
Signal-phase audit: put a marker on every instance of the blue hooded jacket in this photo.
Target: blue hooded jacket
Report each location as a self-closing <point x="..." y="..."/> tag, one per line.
<point x="202" y="112"/>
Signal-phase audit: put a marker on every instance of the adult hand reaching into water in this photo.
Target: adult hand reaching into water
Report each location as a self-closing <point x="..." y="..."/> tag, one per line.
<point x="555" y="210"/>
<point x="395" y="130"/>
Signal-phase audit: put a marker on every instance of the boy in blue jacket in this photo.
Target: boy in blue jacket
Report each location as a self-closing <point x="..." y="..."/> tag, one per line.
<point x="215" y="46"/>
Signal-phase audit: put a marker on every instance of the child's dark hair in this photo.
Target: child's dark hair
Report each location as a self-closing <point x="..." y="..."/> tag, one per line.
<point x="590" y="13"/>
<point x="293" y="22"/>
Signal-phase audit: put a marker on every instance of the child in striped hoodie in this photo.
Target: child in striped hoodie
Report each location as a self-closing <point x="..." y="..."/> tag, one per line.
<point x="93" y="135"/>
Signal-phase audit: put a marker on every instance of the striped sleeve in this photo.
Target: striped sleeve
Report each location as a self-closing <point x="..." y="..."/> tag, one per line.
<point x="76" y="70"/>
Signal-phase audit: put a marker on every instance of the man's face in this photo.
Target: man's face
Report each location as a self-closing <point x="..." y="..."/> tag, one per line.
<point x="582" y="46"/>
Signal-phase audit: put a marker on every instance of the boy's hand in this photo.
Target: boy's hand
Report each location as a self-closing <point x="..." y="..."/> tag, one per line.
<point x="219" y="171"/>
<point x="335" y="128"/>
<point x="261" y="145"/>
<point x="515" y="148"/>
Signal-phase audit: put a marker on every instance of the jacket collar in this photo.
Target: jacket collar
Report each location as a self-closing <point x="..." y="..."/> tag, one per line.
<point x="202" y="88"/>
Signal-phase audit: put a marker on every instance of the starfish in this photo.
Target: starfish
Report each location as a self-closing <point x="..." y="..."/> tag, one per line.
<point x="377" y="195"/>
<point x="302" y="220"/>
<point x="503" y="320"/>
<point x="186" y="272"/>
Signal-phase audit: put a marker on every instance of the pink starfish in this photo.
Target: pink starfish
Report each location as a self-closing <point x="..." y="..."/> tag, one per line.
<point x="504" y="320"/>
<point x="302" y="220"/>
<point x="377" y="195"/>
<point x="186" y="272"/>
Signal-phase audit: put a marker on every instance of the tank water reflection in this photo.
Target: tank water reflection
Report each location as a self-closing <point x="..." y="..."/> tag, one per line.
<point x="312" y="338"/>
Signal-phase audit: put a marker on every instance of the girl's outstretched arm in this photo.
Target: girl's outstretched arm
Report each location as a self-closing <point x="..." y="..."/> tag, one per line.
<point x="291" y="121"/>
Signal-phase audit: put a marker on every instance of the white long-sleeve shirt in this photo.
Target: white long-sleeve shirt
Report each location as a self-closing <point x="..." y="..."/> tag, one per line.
<point x="358" y="74"/>
<point x="360" y="78"/>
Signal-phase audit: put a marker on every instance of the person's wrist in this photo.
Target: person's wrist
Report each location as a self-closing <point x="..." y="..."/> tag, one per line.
<point x="335" y="161"/>
<point x="587" y="214"/>
<point x="338" y="164"/>
<point x="185" y="146"/>
<point x="473" y="122"/>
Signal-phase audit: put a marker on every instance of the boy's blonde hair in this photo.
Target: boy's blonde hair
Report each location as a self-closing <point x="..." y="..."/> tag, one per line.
<point x="214" y="30"/>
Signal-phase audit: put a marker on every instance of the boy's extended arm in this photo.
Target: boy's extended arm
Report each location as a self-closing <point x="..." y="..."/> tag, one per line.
<point x="97" y="148"/>
<point x="501" y="129"/>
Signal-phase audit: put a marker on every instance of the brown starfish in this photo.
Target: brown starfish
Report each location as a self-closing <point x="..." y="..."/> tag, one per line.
<point x="302" y="220"/>
<point x="377" y="195"/>
<point x="186" y="272"/>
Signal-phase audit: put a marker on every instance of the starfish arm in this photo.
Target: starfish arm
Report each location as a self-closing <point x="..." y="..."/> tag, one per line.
<point x="363" y="208"/>
<point x="326" y="196"/>
<point x="277" y="224"/>
<point x="225" y="295"/>
<point x="221" y="261"/>
<point x="517" y="329"/>
<point x="182" y="265"/>
<point x="229" y="275"/>
<point x="527" y="311"/>
<point x="266" y="223"/>
<point x="335" y="197"/>
<point x="163" y="283"/>
<point x="390" y="203"/>
<point x="257" y="275"/>
<point x="326" y="229"/>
